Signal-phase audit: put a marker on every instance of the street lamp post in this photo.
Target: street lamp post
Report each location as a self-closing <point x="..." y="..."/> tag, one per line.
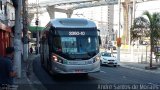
<point x="37" y="47"/>
<point x="131" y="24"/>
<point x="37" y="24"/>
<point x="17" y="38"/>
<point x="119" y="39"/>
<point x="25" y="30"/>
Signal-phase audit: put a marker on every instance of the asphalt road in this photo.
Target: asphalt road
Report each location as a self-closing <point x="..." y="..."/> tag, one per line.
<point x="98" y="81"/>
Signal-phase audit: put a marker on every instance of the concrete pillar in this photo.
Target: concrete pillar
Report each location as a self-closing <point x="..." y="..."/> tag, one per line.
<point x="69" y="13"/>
<point x="126" y="19"/>
<point x="51" y="11"/>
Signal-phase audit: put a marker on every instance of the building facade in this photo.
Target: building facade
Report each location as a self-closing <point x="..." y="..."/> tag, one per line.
<point x="106" y="24"/>
<point x="7" y="12"/>
<point x="7" y="18"/>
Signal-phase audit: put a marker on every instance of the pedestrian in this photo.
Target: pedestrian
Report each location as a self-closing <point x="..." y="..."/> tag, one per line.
<point x="6" y="68"/>
<point x="31" y="50"/>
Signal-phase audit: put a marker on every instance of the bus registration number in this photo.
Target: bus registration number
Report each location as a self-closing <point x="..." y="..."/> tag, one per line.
<point x="76" y="33"/>
<point x="76" y="62"/>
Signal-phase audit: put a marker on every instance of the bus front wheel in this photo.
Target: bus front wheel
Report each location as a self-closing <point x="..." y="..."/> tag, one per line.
<point x="85" y="75"/>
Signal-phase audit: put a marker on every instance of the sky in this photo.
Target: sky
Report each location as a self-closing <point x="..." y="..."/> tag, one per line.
<point x="94" y="13"/>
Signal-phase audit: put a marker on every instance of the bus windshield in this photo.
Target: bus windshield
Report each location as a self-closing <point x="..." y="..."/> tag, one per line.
<point x="75" y="43"/>
<point x="79" y="45"/>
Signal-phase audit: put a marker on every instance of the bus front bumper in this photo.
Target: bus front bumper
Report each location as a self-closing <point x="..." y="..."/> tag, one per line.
<point x="69" y="69"/>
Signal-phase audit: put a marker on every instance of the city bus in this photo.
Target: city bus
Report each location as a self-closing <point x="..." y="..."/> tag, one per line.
<point x="70" y="46"/>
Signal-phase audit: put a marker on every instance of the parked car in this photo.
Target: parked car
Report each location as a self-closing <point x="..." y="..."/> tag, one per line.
<point x="107" y="58"/>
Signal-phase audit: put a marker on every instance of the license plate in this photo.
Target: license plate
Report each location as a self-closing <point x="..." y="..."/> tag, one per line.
<point x="79" y="70"/>
<point x="110" y="63"/>
<point x="76" y="62"/>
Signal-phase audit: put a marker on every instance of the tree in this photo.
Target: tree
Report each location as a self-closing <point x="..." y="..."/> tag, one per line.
<point x="147" y="25"/>
<point x="139" y="28"/>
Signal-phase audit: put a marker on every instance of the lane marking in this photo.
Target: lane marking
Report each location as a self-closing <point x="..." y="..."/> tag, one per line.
<point x="102" y="71"/>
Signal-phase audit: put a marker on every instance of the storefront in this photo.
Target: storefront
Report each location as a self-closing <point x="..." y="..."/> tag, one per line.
<point x="5" y="39"/>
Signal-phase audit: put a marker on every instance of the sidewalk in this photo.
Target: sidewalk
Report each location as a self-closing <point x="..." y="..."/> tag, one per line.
<point x="28" y="80"/>
<point x="140" y="66"/>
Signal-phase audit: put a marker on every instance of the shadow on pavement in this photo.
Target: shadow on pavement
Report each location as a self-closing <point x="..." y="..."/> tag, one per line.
<point x="72" y="77"/>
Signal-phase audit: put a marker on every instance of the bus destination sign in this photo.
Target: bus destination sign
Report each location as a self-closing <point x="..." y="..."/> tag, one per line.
<point x="76" y="33"/>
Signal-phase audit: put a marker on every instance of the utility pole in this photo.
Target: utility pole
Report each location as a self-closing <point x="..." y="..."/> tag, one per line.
<point x="131" y="23"/>
<point x="37" y="23"/>
<point x="17" y="38"/>
<point x="25" y="30"/>
<point x="134" y="9"/>
<point x="132" y="18"/>
<point x="119" y="37"/>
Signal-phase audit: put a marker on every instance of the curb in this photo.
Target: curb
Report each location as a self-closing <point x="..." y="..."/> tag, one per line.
<point x="29" y="79"/>
<point x="140" y="69"/>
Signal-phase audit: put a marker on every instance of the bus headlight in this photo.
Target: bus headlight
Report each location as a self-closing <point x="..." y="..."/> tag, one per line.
<point x="96" y="59"/>
<point x="54" y="58"/>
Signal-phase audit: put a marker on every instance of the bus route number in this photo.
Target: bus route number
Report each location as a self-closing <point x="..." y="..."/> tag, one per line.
<point x="76" y="33"/>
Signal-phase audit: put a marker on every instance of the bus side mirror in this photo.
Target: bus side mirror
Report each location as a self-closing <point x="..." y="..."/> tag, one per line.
<point x="99" y="37"/>
<point x="100" y="42"/>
